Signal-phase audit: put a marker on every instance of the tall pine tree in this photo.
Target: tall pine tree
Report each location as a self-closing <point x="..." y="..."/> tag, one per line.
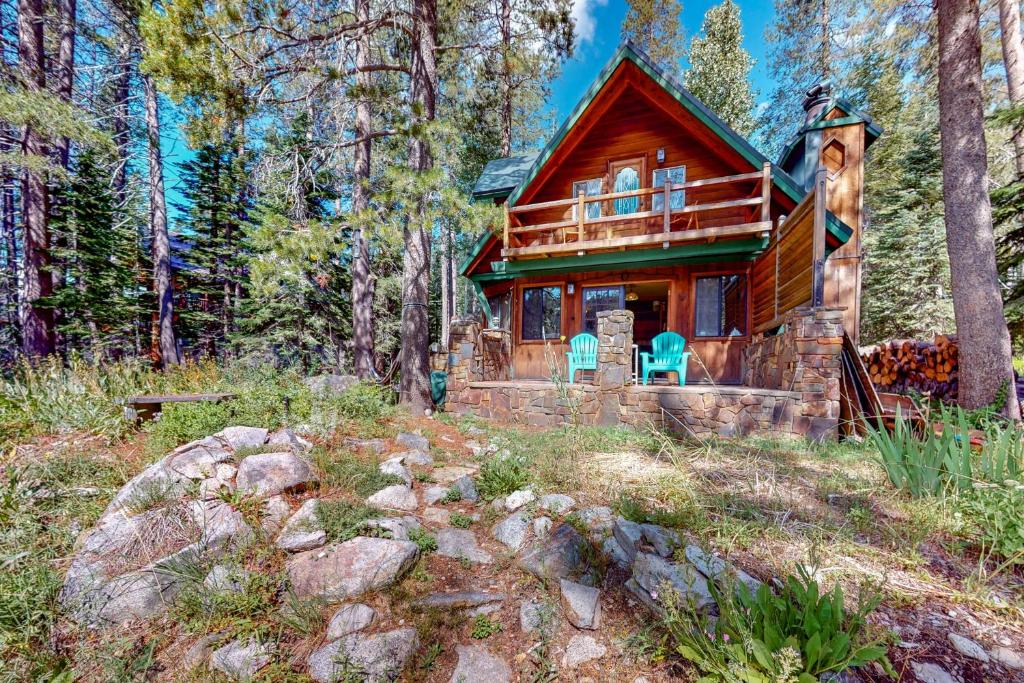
<point x="654" y="27"/>
<point x="719" y="73"/>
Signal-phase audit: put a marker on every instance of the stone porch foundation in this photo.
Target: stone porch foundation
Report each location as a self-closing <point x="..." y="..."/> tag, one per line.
<point x="792" y="385"/>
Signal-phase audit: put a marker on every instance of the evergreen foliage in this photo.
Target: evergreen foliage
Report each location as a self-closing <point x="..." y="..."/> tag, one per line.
<point x="719" y="73"/>
<point x="654" y="27"/>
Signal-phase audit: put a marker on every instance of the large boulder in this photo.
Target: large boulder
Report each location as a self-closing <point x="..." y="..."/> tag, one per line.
<point x="397" y="497"/>
<point x="241" y="660"/>
<point x="416" y="442"/>
<point x="302" y="531"/>
<point x="379" y="658"/>
<point x="268" y="474"/>
<point x="242" y="437"/>
<point x="513" y="530"/>
<point x="349" y="619"/>
<point x="345" y="570"/>
<point x="477" y="663"/>
<point x="559" y="556"/>
<point x="653" y="574"/>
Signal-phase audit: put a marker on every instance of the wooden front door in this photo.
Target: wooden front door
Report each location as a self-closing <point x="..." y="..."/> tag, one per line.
<point x="627" y="174"/>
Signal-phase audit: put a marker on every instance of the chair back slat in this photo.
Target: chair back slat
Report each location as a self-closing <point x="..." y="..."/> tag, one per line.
<point x="584" y="347"/>
<point x="668" y="348"/>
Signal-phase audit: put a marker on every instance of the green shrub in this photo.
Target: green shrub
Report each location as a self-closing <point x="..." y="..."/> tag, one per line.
<point x="342" y="520"/>
<point x="460" y="521"/>
<point x="796" y="635"/>
<point x="344" y="470"/>
<point x="931" y="464"/>
<point x="423" y="540"/>
<point x="484" y="627"/>
<point x="452" y="495"/>
<point x="996" y="513"/>
<point x="502" y="474"/>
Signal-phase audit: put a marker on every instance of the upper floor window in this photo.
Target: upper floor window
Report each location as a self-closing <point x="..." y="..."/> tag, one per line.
<point x="542" y="313"/>
<point x="677" y="198"/>
<point x="591" y="188"/>
<point x="721" y="306"/>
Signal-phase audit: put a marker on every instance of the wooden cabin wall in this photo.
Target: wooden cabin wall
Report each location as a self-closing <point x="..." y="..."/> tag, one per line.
<point x="718" y="359"/>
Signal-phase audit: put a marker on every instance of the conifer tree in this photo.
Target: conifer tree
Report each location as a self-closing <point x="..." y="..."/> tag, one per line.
<point x="654" y="27"/>
<point x="719" y="73"/>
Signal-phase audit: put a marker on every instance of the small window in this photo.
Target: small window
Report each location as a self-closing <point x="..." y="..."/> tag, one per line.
<point x="597" y="299"/>
<point x="721" y="306"/>
<point x="542" y="313"/>
<point x="591" y="188"/>
<point x="677" y="198"/>
<point x="501" y="311"/>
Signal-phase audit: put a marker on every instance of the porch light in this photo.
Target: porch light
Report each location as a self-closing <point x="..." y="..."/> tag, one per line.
<point x="632" y="296"/>
<point x="661" y="155"/>
<point x="570" y="289"/>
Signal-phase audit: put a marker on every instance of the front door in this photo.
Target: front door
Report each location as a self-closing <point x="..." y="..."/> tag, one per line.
<point x="626" y="175"/>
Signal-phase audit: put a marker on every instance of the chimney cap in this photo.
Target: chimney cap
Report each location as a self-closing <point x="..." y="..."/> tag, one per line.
<point x="817" y="95"/>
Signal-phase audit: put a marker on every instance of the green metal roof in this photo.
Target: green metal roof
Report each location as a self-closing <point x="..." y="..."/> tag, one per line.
<point x="501" y="176"/>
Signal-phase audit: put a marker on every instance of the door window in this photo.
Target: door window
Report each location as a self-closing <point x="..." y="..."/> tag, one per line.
<point x="721" y="306"/>
<point x="625" y="180"/>
<point x="676" y="198"/>
<point x="597" y="299"/>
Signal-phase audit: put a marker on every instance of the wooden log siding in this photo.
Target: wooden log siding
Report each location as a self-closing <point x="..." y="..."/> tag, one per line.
<point x="571" y="233"/>
<point x="790" y="272"/>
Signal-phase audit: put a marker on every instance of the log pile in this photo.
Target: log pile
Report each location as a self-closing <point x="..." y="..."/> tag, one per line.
<point x="907" y="365"/>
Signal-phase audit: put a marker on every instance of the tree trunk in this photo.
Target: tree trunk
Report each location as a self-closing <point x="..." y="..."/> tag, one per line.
<point x="66" y="66"/>
<point x="1013" y="61"/>
<point x="447" y="283"/>
<point x="985" y="352"/>
<point x="158" y="230"/>
<point x="506" y="82"/>
<point x="121" y="134"/>
<point x="362" y="298"/>
<point x="36" y="320"/>
<point x="415" y="385"/>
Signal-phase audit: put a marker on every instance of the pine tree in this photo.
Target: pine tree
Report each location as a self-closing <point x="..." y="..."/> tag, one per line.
<point x="654" y="27"/>
<point x="719" y="73"/>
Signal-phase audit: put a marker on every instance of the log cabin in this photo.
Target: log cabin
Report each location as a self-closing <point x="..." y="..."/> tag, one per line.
<point x="645" y="201"/>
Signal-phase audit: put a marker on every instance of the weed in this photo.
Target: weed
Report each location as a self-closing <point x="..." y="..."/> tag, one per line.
<point x="204" y="609"/>
<point x="996" y="513"/>
<point x="483" y="627"/>
<point x="460" y="521"/>
<point x="452" y="495"/>
<point x="351" y="473"/>
<point x="501" y="475"/>
<point x="342" y="520"/>
<point x="422" y="477"/>
<point x="648" y="645"/>
<point x="303" y="616"/>
<point x="423" y="540"/>
<point x="429" y="657"/>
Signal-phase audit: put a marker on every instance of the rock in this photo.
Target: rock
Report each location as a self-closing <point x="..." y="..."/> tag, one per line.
<point x="664" y="541"/>
<point x="929" y="672"/>
<point x="557" y="503"/>
<point x="460" y="600"/>
<point x="379" y="658"/>
<point x="199" y="462"/>
<point x="518" y="499"/>
<point x="344" y="570"/>
<point x="437" y="516"/>
<point x="376" y="445"/>
<point x="498" y="504"/>
<point x="461" y="543"/>
<point x="224" y="578"/>
<point x="968" y="647"/>
<point x="198" y="654"/>
<point x="397" y="527"/>
<point x="289" y="439"/>
<point x="215" y="489"/>
<point x="559" y="556"/>
<point x="241" y="660"/>
<point x="477" y="663"/>
<point x="598" y="520"/>
<point x="538" y="617"/>
<point x="155" y="482"/>
<point x="268" y="474"/>
<point x="220" y="525"/>
<point x="414" y="457"/>
<point x="615" y="553"/>
<point x="302" y="531"/>
<point x="466" y="488"/>
<point x="330" y="384"/>
<point x="414" y="442"/>
<point x="397" y="497"/>
<point x="581" y="604"/>
<point x="139" y="594"/>
<point x="650" y="572"/>
<point x="628" y="534"/>
<point x="1011" y="659"/>
<point x="512" y="530"/>
<point x="433" y="494"/>
<point x="395" y="468"/>
<point x="580" y="650"/>
<point x="242" y="437"/>
<point x="448" y="475"/>
<point x="541" y="526"/>
<point x="349" y="619"/>
<point x="717" y="568"/>
<point x="276" y="512"/>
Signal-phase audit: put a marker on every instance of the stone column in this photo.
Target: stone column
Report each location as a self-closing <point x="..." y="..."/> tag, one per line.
<point x="614" y="350"/>
<point x="463" y="355"/>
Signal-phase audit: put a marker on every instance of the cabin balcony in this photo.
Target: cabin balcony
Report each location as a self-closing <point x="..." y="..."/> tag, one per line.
<point x="703" y="210"/>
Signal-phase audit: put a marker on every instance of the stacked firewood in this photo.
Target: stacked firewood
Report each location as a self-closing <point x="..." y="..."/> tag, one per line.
<point x="908" y="365"/>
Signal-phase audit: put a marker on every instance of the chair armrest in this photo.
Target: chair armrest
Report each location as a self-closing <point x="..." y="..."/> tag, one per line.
<point x="645" y="355"/>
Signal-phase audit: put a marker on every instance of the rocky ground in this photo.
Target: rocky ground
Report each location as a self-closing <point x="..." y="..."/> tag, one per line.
<point x="421" y="579"/>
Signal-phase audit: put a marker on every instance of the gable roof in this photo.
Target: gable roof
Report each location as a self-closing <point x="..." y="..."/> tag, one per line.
<point x="629" y="52"/>
<point x="501" y="176"/>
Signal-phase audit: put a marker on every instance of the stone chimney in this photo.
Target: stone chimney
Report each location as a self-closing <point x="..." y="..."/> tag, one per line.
<point x="815" y="101"/>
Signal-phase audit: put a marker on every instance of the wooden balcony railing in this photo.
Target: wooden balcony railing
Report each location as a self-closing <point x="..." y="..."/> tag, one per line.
<point x="744" y="211"/>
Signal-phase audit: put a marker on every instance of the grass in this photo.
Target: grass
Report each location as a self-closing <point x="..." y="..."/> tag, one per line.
<point x="342" y="520"/>
<point x="460" y="520"/>
<point x="351" y="473"/>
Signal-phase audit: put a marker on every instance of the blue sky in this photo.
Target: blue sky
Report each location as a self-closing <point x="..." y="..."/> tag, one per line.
<point x="597" y="30"/>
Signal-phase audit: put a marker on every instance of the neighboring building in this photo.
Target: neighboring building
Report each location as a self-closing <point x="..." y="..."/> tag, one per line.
<point x="645" y="201"/>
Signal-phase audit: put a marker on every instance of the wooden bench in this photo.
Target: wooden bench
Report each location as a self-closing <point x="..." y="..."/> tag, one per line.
<point x="147" y="407"/>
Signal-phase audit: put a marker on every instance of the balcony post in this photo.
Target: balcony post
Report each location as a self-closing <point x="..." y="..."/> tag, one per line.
<point x="580" y="213"/>
<point x="766" y="192"/>
<point x="508" y="221"/>
<point x="667" y="215"/>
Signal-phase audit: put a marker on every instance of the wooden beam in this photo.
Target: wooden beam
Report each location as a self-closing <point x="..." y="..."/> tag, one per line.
<point x="666" y="208"/>
<point x="507" y="228"/>
<point x="818" y="251"/>
<point x="643" y="240"/>
<point x="766" y="192"/>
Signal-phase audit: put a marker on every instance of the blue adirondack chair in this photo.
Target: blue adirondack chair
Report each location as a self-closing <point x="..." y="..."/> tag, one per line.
<point x="667" y="356"/>
<point x="583" y="355"/>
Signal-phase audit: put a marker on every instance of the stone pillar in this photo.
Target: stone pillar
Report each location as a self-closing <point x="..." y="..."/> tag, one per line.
<point x="463" y="355"/>
<point x="614" y="350"/>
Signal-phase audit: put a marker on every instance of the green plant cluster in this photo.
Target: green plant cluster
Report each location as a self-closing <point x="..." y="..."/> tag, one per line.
<point x="503" y="474"/>
<point x="483" y="627"/>
<point x="760" y="637"/>
<point x="995" y="514"/>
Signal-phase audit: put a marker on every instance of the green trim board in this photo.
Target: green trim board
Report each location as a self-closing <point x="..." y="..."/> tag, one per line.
<point x="478" y="247"/>
<point x="485" y="305"/>
<point x="627" y="51"/>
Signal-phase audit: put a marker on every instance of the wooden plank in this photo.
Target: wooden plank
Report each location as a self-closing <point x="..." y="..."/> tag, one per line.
<point x="177" y="398"/>
<point x="642" y="240"/>
<point x="718" y="206"/>
<point x="581" y="216"/>
<point x="766" y="191"/>
<point x="820" y="189"/>
<point x="505" y="239"/>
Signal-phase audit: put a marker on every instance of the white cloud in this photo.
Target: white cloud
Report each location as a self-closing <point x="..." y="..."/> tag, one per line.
<point x="586" y="23"/>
